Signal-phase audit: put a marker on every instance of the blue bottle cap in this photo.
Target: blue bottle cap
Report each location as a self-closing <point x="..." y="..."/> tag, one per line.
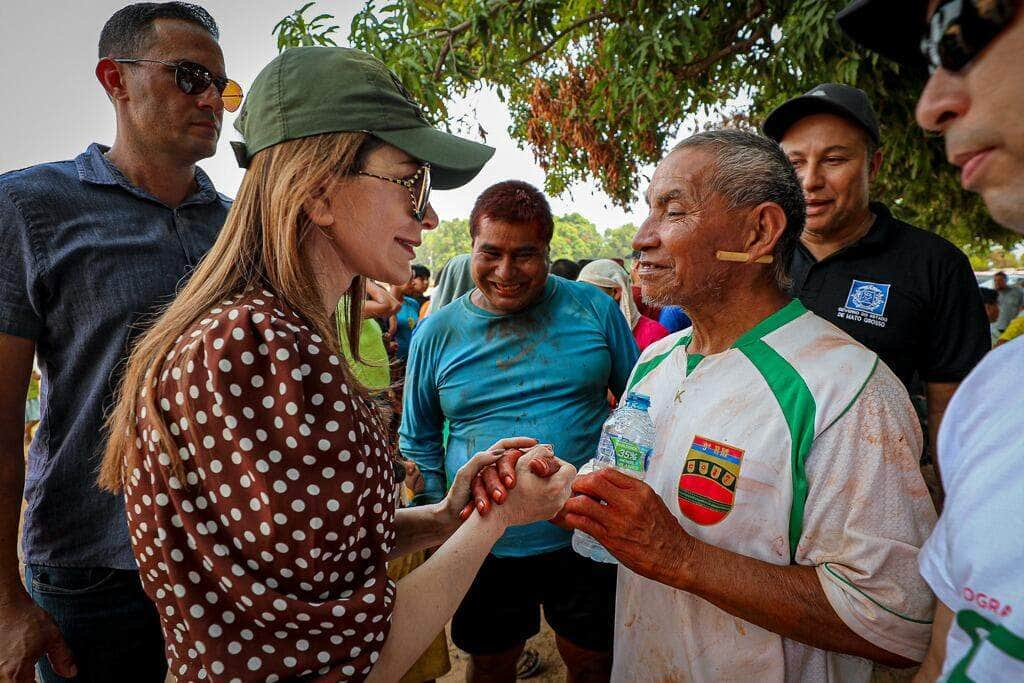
<point x="638" y="401"/>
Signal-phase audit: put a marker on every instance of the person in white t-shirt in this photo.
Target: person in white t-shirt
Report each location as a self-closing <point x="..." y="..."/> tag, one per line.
<point x="974" y="560"/>
<point x="776" y="535"/>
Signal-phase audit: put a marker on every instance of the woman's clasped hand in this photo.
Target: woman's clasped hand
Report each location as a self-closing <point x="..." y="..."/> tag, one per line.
<point x="516" y="462"/>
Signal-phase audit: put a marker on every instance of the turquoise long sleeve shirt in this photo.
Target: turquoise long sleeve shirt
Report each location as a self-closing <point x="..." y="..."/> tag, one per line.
<point x="543" y="372"/>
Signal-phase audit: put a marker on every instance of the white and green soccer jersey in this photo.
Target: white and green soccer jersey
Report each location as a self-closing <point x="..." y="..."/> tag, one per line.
<point x="795" y="445"/>
<point x="974" y="558"/>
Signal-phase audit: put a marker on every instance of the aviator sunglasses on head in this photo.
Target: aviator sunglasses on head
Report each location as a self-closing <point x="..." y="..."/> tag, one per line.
<point x="960" y="30"/>
<point x="194" y="79"/>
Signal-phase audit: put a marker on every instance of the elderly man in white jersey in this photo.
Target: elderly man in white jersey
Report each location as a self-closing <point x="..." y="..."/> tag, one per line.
<point x="776" y="535"/>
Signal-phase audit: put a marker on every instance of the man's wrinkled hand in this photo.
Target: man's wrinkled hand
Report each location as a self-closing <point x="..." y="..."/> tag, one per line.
<point x="28" y="634"/>
<point x="494" y="482"/>
<point x="633" y="524"/>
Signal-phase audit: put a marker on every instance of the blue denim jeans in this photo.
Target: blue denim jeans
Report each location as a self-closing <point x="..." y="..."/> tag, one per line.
<point x="108" y="622"/>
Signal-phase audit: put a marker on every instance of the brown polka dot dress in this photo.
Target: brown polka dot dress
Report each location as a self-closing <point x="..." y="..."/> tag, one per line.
<point x="266" y="554"/>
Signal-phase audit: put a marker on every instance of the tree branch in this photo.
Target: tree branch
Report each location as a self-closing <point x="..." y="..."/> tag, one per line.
<point x="692" y="69"/>
<point x="561" y="34"/>
<point x="461" y="28"/>
<point x="445" y="49"/>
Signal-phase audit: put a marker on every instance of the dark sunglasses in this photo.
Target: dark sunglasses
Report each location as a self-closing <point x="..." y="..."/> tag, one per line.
<point x="194" y="79"/>
<point x="960" y="29"/>
<point x="418" y="185"/>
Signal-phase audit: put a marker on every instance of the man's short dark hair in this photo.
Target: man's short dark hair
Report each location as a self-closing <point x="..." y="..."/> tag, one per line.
<point x="128" y="31"/>
<point x="989" y="296"/>
<point x="999" y="274"/>
<point x="513" y="201"/>
<point x="420" y="271"/>
<point x="749" y="170"/>
<point x="566" y="268"/>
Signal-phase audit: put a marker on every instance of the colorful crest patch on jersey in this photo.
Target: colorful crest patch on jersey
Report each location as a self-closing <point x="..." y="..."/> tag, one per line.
<point x="707" y="485"/>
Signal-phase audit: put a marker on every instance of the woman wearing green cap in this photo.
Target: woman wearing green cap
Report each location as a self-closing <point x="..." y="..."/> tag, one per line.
<point x="257" y="478"/>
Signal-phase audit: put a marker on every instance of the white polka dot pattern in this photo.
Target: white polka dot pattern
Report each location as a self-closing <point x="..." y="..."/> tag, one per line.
<point x="266" y="553"/>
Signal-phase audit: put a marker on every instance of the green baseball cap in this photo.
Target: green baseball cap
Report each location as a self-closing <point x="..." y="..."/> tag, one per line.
<point x="312" y="90"/>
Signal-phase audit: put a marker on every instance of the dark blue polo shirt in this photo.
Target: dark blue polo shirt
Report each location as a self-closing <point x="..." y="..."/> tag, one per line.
<point x="85" y="256"/>
<point x="905" y="293"/>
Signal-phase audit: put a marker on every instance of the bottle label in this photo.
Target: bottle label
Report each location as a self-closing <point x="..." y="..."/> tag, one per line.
<point x="628" y="455"/>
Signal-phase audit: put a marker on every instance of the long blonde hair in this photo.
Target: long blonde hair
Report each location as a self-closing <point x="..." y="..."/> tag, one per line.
<point x="259" y="246"/>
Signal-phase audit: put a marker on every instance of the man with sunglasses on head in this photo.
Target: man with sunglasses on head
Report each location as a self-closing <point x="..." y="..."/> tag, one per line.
<point x="905" y="293"/>
<point x="90" y="248"/>
<point x="973" y="98"/>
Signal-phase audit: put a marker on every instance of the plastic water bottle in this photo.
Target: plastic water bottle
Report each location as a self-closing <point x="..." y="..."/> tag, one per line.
<point x="627" y="441"/>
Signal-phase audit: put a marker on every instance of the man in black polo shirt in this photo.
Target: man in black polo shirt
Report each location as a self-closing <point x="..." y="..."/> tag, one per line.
<point x="905" y="293"/>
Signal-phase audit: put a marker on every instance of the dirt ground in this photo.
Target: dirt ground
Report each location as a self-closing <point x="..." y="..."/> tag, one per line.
<point x="552" y="669"/>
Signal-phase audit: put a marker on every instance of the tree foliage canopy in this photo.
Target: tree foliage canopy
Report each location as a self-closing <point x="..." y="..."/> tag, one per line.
<point x="596" y="88"/>
<point x="575" y="238"/>
<point x="450" y="238"/>
<point x="295" y="30"/>
<point x="997" y="258"/>
<point x="618" y="241"/>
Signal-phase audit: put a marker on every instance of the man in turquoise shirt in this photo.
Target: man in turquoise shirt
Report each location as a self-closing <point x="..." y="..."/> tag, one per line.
<point x="523" y="354"/>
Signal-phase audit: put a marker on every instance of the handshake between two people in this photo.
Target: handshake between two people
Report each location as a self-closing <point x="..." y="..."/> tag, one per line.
<point x="542" y="483"/>
<point x="523" y="481"/>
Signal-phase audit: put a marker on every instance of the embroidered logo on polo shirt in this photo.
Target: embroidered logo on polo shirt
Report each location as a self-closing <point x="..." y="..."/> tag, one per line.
<point x="707" y="485"/>
<point x="866" y="302"/>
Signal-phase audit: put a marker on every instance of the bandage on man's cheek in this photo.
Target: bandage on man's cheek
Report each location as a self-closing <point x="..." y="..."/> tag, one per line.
<point x="741" y="257"/>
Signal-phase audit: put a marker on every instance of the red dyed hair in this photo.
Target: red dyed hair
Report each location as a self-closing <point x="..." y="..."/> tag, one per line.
<point x="513" y="201"/>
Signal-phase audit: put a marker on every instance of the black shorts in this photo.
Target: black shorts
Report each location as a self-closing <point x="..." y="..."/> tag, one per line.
<point x="502" y="607"/>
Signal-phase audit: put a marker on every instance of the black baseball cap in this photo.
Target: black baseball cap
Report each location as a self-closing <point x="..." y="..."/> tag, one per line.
<point x="827" y="98"/>
<point x="892" y="29"/>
